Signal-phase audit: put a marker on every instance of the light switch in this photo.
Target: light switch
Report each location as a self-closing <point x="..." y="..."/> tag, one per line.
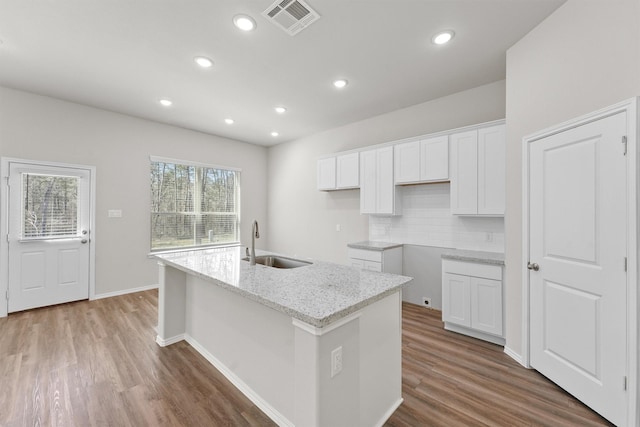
<point x="115" y="213"/>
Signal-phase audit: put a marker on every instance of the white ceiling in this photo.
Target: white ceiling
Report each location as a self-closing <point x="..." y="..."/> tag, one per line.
<point x="124" y="55"/>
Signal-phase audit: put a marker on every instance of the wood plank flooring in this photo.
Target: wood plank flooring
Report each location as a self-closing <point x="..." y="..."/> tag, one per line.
<point x="96" y="363"/>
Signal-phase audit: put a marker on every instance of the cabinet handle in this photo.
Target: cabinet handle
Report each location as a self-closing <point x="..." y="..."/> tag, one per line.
<point x="534" y="266"/>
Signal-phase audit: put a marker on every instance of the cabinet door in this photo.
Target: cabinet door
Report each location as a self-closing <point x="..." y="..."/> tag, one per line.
<point x="407" y="162"/>
<point x="385" y="192"/>
<point x="455" y="299"/>
<point x="368" y="182"/>
<point x="464" y="173"/>
<point x="491" y="170"/>
<point x="434" y="159"/>
<point x="326" y="178"/>
<point x="486" y="305"/>
<point x="348" y="172"/>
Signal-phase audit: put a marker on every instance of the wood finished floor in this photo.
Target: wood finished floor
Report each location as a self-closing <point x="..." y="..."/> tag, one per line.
<point x="97" y="364"/>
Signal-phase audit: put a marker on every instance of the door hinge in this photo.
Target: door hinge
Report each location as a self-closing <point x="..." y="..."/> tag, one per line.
<point x="625" y="263"/>
<point x="624" y="383"/>
<point x="7" y="294"/>
<point x="624" y="143"/>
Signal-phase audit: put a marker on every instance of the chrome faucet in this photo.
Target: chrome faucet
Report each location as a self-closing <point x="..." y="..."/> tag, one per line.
<point x="255" y="234"/>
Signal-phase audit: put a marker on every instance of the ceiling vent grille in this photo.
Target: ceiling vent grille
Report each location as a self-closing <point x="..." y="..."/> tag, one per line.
<point x="292" y="16"/>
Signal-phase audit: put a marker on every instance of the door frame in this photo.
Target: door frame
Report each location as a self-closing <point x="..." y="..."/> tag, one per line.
<point x="630" y="107"/>
<point x="4" y="224"/>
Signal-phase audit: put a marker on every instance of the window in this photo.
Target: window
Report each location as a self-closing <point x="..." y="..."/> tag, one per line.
<point x="193" y="205"/>
<point x="49" y="207"/>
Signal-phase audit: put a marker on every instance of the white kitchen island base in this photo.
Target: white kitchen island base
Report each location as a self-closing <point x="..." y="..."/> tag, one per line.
<point x="283" y="364"/>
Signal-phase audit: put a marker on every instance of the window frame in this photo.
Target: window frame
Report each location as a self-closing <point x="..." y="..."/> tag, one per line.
<point x="158" y="159"/>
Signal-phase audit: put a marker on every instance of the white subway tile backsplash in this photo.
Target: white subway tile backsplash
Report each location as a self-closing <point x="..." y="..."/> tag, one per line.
<point x="426" y="220"/>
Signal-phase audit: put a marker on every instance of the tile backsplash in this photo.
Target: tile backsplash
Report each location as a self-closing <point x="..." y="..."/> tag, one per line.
<point x="426" y="220"/>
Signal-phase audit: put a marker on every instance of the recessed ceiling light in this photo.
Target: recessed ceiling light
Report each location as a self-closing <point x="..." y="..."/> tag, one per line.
<point x="203" y="61"/>
<point x="274" y="134"/>
<point x="443" y="37"/>
<point x="244" y="22"/>
<point x="228" y="121"/>
<point x="340" y="83"/>
<point x="166" y="102"/>
<point x="280" y="110"/>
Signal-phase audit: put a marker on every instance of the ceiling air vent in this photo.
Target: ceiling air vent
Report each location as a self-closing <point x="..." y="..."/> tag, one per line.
<point x="292" y="16"/>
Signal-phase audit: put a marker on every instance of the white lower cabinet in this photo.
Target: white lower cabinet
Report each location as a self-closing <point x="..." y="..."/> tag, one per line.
<point x="472" y="301"/>
<point x="385" y="261"/>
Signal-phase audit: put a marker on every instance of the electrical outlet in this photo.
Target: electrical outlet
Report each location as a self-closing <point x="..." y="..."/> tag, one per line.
<point x="426" y="302"/>
<point x="336" y="361"/>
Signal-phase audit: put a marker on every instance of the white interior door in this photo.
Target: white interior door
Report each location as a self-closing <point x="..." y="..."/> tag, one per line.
<point x="49" y="245"/>
<point x="578" y="249"/>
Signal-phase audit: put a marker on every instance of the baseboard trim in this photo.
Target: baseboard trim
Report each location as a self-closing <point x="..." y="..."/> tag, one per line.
<point x="515" y="356"/>
<point x="124" y="292"/>
<point x="390" y="412"/>
<point x="254" y="397"/>
<point x="165" y="342"/>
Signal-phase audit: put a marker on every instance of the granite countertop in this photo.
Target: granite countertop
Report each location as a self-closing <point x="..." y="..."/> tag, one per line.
<point x="317" y="294"/>
<point x="374" y="246"/>
<point x="495" y="258"/>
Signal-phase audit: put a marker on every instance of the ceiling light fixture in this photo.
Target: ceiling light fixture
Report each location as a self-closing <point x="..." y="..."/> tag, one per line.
<point x="166" y="102"/>
<point x="280" y="110"/>
<point x="443" y="37"/>
<point x="203" y="61"/>
<point x="244" y="22"/>
<point x="228" y="121"/>
<point x="340" y="83"/>
<point x="274" y="134"/>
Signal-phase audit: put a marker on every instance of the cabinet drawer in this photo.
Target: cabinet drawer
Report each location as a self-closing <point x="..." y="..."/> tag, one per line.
<point x="366" y="255"/>
<point x="373" y="266"/>
<point x="485" y="271"/>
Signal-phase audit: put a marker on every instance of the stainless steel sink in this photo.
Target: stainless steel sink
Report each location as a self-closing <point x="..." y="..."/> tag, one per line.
<point x="279" y="261"/>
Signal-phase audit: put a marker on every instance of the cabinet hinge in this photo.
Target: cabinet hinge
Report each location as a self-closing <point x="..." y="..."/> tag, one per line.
<point x="624" y="383"/>
<point x="624" y="144"/>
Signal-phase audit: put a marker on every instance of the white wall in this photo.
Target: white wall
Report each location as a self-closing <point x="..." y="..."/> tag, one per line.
<point x="583" y="57"/>
<point x="302" y="221"/>
<point x="41" y="128"/>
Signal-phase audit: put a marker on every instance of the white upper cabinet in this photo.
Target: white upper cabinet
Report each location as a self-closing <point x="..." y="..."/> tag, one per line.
<point x="434" y="159"/>
<point x="407" y="162"/>
<point x="326" y="178"/>
<point x="348" y="171"/>
<point x="339" y="172"/>
<point x="478" y="172"/>
<point x="422" y="161"/>
<point x="491" y="170"/>
<point x="377" y="189"/>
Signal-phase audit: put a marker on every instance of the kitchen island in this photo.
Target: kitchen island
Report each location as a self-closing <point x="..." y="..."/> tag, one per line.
<point x="317" y="345"/>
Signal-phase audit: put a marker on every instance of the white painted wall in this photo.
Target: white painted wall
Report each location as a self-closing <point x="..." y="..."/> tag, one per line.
<point x="302" y="221"/>
<point x="583" y="57"/>
<point x="42" y="128"/>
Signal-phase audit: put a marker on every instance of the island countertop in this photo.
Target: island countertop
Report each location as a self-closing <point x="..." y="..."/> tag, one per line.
<point x="318" y="294"/>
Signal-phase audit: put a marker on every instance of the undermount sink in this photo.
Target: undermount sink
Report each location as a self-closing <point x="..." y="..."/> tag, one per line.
<point x="279" y="261"/>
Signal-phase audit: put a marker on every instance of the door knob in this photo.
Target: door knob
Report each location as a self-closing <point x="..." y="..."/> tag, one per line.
<point x="534" y="266"/>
